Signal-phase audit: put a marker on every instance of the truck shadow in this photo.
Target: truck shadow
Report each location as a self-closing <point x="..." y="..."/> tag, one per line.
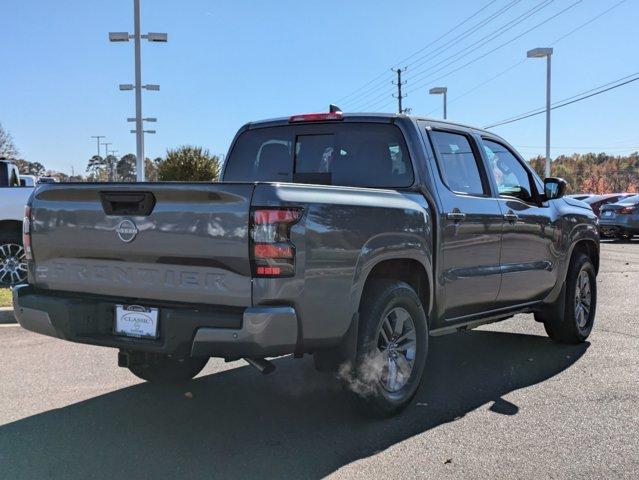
<point x="295" y="423"/>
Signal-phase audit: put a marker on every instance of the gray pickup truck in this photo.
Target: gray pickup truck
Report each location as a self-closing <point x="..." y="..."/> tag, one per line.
<point x="352" y="237"/>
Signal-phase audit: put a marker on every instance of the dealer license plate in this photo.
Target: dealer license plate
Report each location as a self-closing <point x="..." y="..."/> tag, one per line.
<point x="136" y="321"/>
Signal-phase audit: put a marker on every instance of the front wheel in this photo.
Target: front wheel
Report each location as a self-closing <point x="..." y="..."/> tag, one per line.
<point x="625" y="236"/>
<point x="392" y="348"/>
<point x="580" y="304"/>
<point x="158" y="368"/>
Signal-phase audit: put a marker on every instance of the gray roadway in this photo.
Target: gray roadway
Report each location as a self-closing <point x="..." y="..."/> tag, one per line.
<point x="498" y="402"/>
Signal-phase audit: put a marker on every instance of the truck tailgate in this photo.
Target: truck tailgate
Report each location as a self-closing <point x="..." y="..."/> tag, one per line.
<point x="170" y="242"/>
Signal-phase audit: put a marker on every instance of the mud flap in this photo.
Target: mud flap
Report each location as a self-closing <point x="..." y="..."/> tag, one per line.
<point x="329" y="360"/>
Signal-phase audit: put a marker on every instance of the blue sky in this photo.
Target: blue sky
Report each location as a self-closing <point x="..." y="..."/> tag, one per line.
<point x="229" y="62"/>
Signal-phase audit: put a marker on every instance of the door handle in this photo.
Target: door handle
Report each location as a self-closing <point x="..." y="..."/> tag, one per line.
<point x="456" y="215"/>
<point x="511" y="217"/>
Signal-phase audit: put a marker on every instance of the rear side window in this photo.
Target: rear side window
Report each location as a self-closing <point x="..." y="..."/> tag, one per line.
<point x="458" y="164"/>
<point x="261" y="155"/>
<point x="349" y="154"/>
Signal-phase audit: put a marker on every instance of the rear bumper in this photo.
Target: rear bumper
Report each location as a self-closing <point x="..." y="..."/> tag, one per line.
<point x="619" y="224"/>
<point x="184" y="330"/>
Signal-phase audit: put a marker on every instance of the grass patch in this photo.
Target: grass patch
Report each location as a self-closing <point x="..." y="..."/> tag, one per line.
<point x="5" y="297"/>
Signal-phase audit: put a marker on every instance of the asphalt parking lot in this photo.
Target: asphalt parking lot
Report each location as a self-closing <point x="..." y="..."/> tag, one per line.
<point x="498" y="402"/>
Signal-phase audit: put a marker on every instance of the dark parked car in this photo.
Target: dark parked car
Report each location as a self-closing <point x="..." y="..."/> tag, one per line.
<point x="350" y="237"/>
<point x="621" y="220"/>
<point x="597" y="201"/>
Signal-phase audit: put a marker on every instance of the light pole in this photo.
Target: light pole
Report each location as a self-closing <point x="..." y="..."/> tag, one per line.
<point x="440" y="91"/>
<point x="541" y="53"/>
<point x="139" y="125"/>
<point x="98" y="137"/>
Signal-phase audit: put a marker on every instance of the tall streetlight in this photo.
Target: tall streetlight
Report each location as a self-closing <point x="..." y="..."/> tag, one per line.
<point x="541" y="53"/>
<point x="440" y="91"/>
<point x="137" y="37"/>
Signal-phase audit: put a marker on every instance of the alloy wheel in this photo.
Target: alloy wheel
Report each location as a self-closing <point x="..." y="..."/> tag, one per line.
<point x="583" y="299"/>
<point x="397" y="344"/>
<point x="13" y="264"/>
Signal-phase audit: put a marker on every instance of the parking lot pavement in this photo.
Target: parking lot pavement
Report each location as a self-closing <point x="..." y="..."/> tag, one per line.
<point x="498" y="402"/>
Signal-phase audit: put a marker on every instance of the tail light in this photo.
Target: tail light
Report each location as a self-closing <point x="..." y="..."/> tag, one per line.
<point x="272" y="252"/>
<point x="627" y="210"/>
<point x="26" y="233"/>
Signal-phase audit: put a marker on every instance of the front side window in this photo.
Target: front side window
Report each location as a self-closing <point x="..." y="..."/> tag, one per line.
<point x="348" y="154"/>
<point x="510" y="175"/>
<point x="458" y="164"/>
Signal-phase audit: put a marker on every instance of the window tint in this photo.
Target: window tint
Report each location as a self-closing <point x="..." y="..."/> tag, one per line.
<point x="459" y="167"/>
<point x="510" y="175"/>
<point x="350" y="154"/>
<point x="263" y="155"/>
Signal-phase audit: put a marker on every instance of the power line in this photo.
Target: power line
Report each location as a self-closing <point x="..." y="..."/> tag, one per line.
<point x="446" y="46"/>
<point x="566" y="102"/>
<point x="495" y="34"/>
<point x="517" y="37"/>
<point x="512" y="3"/>
<point x="442" y="48"/>
<point x="469" y="49"/>
<point x="420" y="50"/>
<point x="574" y="96"/>
<point x="521" y="62"/>
<point x="455" y="41"/>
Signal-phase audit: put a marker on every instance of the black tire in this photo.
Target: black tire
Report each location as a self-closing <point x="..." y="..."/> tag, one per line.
<point x="158" y="368"/>
<point x="379" y="393"/>
<point x="625" y="236"/>
<point x="572" y="327"/>
<point x="13" y="263"/>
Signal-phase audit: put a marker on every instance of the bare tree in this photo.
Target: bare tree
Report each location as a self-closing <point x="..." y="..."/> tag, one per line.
<point x="7" y="147"/>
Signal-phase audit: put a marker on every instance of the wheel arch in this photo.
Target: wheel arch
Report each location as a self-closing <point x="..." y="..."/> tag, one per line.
<point x="589" y="247"/>
<point x="409" y="270"/>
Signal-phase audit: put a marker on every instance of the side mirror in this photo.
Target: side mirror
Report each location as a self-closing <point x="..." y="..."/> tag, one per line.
<point x="554" y="188"/>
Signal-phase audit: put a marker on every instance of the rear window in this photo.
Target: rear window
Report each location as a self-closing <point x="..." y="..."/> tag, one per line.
<point x="349" y="154"/>
<point x="633" y="199"/>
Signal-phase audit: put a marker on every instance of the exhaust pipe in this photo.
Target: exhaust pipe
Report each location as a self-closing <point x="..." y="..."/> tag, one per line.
<point x="263" y="366"/>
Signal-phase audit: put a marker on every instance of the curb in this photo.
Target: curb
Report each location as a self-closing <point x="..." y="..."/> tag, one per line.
<point x="6" y="315"/>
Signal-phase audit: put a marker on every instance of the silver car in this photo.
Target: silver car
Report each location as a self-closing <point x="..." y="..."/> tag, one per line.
<point x="621" y="219"/>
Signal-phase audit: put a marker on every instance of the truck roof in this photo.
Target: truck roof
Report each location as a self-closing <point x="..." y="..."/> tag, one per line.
<point x="389" y="117"/>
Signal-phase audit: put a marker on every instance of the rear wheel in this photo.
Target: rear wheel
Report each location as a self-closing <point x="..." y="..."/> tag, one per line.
<point x="392" y="348"/>
<point x="158" y="368"/>
<point x="580" y="304"/>
<point x="13" y="262"/>
<point x="625" y="236"/>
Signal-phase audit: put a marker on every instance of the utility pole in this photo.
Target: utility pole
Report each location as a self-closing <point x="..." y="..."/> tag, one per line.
<point x="114" y="167"/>
<point x="106" y="158"/>
<point x="139" y="121"/>
<point x="98" y="137"/>
<point x="399" y="84"/>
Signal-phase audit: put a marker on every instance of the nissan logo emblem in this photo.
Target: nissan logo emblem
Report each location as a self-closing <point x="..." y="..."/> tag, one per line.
<point x="127" y="231"/>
